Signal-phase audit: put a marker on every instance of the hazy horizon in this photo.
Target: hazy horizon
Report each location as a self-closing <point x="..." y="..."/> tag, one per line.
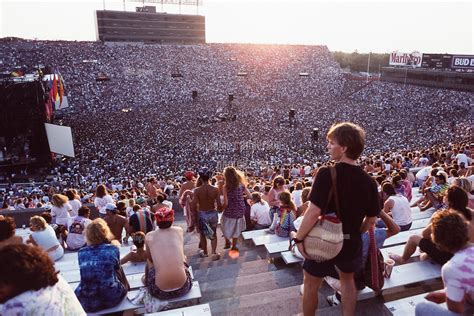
<point x="366" y="26"/>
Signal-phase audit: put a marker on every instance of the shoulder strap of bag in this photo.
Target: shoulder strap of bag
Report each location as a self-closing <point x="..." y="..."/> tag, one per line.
<point x="334" y="189"/>
<point x="373" y="257"/>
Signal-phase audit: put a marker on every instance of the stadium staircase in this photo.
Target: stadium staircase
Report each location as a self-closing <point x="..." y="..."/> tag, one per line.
<point x="254" y="284"/>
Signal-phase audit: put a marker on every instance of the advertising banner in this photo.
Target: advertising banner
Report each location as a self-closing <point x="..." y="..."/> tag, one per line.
<point x="405" y="59"/>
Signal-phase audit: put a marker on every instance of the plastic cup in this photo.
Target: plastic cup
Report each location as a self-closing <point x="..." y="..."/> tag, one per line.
<point x="388" y="267"/>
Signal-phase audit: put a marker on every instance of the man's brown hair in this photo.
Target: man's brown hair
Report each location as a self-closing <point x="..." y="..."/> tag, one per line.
<point x="449" y="230"/>
<point x="348" y="135"/>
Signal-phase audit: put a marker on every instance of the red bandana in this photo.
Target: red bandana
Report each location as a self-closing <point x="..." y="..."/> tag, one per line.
<point x="164" y="215"/>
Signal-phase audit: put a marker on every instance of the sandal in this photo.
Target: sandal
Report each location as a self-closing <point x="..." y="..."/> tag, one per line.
<point x="202" y="254"/>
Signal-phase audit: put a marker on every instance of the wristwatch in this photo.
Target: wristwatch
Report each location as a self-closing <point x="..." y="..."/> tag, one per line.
<point x="296" y="240"/>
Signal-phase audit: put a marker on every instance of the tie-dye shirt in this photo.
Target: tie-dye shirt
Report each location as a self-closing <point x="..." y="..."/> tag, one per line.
<point x="458" y="276"/>
<point x="56" y="300"/>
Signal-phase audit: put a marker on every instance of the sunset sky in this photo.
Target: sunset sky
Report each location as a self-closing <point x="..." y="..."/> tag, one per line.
<point x="377" y="26"/>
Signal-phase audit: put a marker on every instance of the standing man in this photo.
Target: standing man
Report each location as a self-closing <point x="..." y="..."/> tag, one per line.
<point x="185" y="197"/>
<point x="206" y="202"/>
<point x="359" y="208"/>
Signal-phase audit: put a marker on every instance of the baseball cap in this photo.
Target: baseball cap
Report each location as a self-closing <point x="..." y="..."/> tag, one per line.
<point x="111" y="207"/>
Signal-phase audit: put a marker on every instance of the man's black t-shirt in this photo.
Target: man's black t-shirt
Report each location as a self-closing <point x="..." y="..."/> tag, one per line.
<point x="358" y="197"/>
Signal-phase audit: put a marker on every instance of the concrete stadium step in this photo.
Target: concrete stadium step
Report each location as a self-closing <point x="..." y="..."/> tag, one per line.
<point x="373" y="306"/>
<point x="283" y="301"/>
<point x="231" y="271"/>
<point x="204" y="263"/>
<point x="249" y="284"/>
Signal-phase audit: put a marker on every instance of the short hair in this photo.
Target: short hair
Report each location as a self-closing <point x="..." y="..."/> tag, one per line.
<point x="38" y="222"/>
<point x="348" y="135"/>
<point x="257" y="197"/>
<point x="388" y="189"/>
<point x="26" y="268"/>
<point x="83" y="211"/>
<point x="98" y="232"/>
<point x="121" y="205"/>
<point x="449" y="230"/>
<point x="7" y="227"/>
<point x="47" y="217"/>
<point x="138" y="239"/>
<point x="164" y="225"/>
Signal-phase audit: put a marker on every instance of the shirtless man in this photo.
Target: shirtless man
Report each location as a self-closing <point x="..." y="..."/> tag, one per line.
<point x="152" y="189"/>
<point x="166" y="273"/>
<point x="205" y="200"/>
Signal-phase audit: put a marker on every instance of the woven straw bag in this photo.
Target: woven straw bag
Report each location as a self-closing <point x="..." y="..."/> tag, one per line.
<point x="325" y="240"/>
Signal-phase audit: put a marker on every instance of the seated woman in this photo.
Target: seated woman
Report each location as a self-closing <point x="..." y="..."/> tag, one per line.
<point x="31" y="286"/>
<point x="7" y="232"/>
<point x="397" y="206"/>
<point x="259" y="212"/>
<point x="457" y="201"/>
<point x="451" y="234"/>
<point x="43" y="235"/>
<point x="285" y="215"/>
<point x="304" y="202"/>
<point x="139" y="255"/>
<point x="166" y="273"/>
<point x="99" y="263"/>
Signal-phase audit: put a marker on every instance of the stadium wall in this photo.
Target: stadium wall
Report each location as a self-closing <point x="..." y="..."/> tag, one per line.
<point x="431" y="78"/>
<point x="161" y="28"/>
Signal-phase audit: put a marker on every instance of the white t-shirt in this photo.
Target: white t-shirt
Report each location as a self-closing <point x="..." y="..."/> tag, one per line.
<point x="462" y="158"/>
<point x="401" y="211"/>
<point x="76" y="226"/>
<point x="297" y="197"/>
<point x="458" y="275"/>
<point x="424" y="173"/>
<point x="61" y="213"/>
<point x="261" y="212"/>
<point x="307" y="170"/>
<point x="75" y="205"/>
<point x="100" y="203"/>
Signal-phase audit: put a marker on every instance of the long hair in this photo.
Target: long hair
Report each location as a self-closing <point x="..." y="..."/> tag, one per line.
<point x="233" y="178"/>
<point x="101" y="191"/>
<point x="98" y="232"/>
<point x="286" y="200"/>
<point x="277" y="181"/>
<point x="59" y="200"/>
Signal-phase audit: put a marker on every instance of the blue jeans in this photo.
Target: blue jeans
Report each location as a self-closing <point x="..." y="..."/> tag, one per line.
<point x="432" y="309"/>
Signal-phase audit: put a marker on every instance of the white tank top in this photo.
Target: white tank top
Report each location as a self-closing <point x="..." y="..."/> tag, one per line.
<point x="401" y="211"/>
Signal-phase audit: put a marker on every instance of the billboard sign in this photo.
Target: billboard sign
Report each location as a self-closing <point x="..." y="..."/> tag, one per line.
<point x="405" y="59"/>
<point x="463" y="62"/>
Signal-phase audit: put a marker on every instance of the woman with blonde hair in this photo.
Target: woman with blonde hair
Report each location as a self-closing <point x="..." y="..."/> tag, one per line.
<point x="233" y="220"/>
<point x="99" y="264"/>
<point x="43" y="236"/>
<point x="61" y="209"/>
